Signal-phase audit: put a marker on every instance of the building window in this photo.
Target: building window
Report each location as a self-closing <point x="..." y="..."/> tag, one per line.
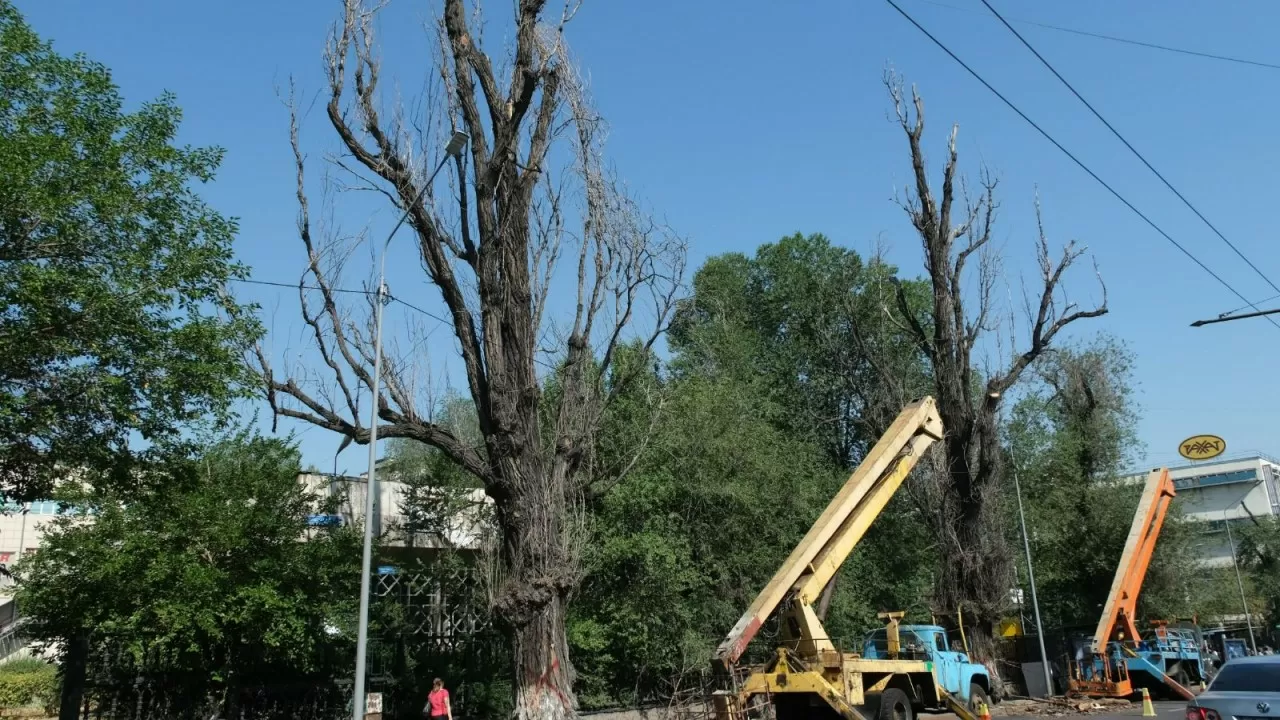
<point x="1226" y="478"/>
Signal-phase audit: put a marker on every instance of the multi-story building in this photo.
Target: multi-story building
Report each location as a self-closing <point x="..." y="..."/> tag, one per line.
<point x="456" y="519"/>
<point x="22" y="528"/>
<point x="1224" y="490"/>
<point x="459" y="523"/>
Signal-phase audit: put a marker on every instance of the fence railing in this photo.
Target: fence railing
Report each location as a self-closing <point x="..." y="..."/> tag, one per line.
<point x="441" y="628"/>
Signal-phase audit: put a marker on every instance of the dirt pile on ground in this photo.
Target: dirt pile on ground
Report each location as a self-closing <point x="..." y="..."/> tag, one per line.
<point x="1056" y="707"/>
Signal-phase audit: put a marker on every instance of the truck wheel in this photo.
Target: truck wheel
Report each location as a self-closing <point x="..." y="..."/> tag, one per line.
<point x="977" y="696"/>
<point x="895" y="705"/>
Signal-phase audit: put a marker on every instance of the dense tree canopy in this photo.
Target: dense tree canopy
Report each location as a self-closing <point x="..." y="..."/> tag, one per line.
<point x="116" y="324"/>
<point x="1072" y="439"/>
<point x="211" y="566"/>
<point x="805" y="320"/>
<point x="766" y="404"/>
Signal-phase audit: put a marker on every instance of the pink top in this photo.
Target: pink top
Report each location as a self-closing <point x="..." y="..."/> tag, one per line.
<point x="438" y="701"/>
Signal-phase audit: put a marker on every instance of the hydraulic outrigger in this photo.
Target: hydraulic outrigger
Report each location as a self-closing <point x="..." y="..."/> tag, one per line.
<point x="809" y="676"/>
<point x="1119" y="656"/>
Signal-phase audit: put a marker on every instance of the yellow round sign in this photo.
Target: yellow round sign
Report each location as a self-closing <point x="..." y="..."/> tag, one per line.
<point x="1202" y="447"/>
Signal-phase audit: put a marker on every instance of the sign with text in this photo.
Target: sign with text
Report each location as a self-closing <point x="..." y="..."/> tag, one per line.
<point x="1202" y="447"/>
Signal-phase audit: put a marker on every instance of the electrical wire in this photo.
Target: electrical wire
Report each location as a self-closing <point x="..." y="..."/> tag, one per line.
<point x="1070" y="155"/>
<point x="1246" y="307"/>
<point x="300" y="286"/>
<point x="1132" y="149"/>
<point x="1127" y="41"/>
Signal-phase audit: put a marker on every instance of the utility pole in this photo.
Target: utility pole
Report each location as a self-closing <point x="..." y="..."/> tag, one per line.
<point x="1031" y="577"/>
<point x="1240" y="583"/>
<point x="453" y="149"/>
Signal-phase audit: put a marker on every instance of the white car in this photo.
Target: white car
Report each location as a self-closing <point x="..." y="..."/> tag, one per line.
<point x="1246" y="688"/>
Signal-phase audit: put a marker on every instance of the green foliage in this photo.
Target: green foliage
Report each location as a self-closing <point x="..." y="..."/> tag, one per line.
<point x="805" y="319"/>
<point x="438" y="499"/>
<point x="1073" y="439"/>
<point x="683" y="543"/>
<point x="769" y="401"/>
<point x="28" y="682"/>
<point x="210" y="567"/>
<point x="112" y="272"/>
<point x="1258" y="550"/>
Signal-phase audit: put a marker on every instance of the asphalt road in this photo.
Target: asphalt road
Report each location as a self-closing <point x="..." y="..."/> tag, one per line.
<point x="1165" y="710"/>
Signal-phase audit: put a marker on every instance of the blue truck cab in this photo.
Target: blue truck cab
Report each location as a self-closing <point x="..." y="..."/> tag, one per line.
<point x="954" y="672"/>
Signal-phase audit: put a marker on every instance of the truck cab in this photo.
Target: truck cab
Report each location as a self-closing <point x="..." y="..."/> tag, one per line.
<point x="952" y="668"/>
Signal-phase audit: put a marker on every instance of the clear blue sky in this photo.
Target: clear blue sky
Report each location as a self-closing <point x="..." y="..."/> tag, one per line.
<point x="743" y="121"/>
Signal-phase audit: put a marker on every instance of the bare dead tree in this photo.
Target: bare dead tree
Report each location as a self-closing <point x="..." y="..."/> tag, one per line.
<point x="491" y="254"/>
<point x="975" y="560"/>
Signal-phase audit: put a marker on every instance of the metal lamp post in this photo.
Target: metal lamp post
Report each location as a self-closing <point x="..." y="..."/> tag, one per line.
<point x="1239" y="582"/>
<point x="453" y="149"/>
<point x="1031" y="577"/>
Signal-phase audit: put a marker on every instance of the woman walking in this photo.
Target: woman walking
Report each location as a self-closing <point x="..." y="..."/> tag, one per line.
<point x="438" y="707"/>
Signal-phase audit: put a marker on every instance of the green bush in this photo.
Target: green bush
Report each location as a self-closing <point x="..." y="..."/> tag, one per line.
<point x="28" y="682"/>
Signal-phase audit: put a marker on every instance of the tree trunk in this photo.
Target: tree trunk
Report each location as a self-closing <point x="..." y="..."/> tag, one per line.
<point x="540" y="573"/>
<point x="544" y="675"/>
<point x="74" y="668"/>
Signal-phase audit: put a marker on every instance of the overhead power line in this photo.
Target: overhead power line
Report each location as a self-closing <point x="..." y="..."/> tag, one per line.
<point x="1132" y="149"/>
<point x="1246" y="307"/>
<point x="1126" y="41"/>
<point x="352" y="291"/>
<point x="1071" y="156"/>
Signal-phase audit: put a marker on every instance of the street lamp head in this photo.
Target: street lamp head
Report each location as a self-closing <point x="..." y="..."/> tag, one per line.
<point x="456" y="143"/>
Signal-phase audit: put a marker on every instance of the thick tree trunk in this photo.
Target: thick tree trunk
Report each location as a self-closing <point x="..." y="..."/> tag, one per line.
<point x="540" y="571"/>
<point x="544" y="675"/>
<point x="976" y="562"/>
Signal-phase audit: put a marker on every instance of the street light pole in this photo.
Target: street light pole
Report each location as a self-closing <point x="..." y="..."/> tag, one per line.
<point x="1228" y="317"/>
<point x="1031" y="577"/>
<point x="456" y="143"/>
<point x="1239" y="583"/>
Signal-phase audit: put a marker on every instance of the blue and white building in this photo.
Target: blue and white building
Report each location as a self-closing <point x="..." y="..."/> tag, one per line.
<point x="1226" y="490"/>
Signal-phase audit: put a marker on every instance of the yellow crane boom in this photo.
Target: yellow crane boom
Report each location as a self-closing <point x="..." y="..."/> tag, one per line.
<point x="814" y="562"/>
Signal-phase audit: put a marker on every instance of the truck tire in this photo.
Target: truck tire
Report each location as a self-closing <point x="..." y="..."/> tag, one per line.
<point x="977" y="696"/>
<point x="895" y="705"/>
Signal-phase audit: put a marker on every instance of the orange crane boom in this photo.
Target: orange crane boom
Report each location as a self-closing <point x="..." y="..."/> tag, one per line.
<point x="1122" y="602"/>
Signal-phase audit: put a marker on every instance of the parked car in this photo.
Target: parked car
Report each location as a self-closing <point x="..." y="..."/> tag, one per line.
<point x="1247" y="687"/>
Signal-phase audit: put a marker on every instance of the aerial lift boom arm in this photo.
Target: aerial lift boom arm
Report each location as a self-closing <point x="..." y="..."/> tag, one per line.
<point x="814" y="562"/>
<point x="1118" y="614"/>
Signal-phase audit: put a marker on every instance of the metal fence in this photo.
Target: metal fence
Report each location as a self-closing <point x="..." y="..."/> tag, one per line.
<point x="433" y="622"/>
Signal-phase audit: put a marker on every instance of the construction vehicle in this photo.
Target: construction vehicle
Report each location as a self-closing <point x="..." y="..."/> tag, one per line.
<point x="1118" y="661"/>
<point x="808" y="675"/>
<point x="955" y="673"/>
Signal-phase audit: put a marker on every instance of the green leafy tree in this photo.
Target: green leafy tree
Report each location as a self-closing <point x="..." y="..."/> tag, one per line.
<point x="681" y="545"/>
<point x="766" y="404"/>
<point x="809" y="316"/>
<point x="1072" y="437"/>
<point x="1258" y="550"/>
<point x="116" y="325"/>
<point x="808" y="325"/>
<point x="218" y="568"/>
<point x="1073" y="441"/>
